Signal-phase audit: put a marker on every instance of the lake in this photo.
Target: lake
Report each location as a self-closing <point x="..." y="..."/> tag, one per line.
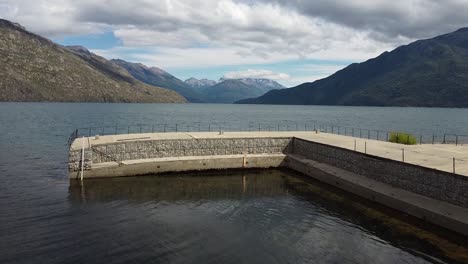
<point x="248" y="217"/>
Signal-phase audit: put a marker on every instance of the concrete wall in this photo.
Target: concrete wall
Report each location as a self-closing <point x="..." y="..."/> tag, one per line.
<point x="182" y="164"/>
<point x="435" y="184"/>
<point x="150" y="149"/>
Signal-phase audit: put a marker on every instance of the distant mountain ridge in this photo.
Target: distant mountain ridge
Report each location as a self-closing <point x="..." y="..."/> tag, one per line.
<point x="198" y="91"/>
<point x="33" y="68"/>
<point x="430" y="73"/>
<point x="265" y="85"/>
<point x="202" y="83"/>
<point x="158" y="77"/>
<point x="232" y="90"/>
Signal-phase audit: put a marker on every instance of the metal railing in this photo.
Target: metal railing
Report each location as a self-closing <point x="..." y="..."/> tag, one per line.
<point x="374" y="134"/>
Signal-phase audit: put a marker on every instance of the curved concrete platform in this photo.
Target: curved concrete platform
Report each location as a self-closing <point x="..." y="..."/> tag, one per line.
<point x="421" y="185"/>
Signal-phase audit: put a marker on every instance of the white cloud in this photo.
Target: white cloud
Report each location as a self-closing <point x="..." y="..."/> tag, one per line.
<point x="256" y="74"/>
<point x="259" y="29"/>
<point x="210" y="33"/>
<point x="387" y="20"/>
<point x="48" y="17"/>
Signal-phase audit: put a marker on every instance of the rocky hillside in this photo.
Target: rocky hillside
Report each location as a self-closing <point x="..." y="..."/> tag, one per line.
<point x="33" y="68"/>
<point x="158" y="77"/>
<point x="429" y="73"/>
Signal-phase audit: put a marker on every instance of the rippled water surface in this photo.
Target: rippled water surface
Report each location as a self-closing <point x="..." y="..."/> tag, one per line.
<point x="240" y="217"/>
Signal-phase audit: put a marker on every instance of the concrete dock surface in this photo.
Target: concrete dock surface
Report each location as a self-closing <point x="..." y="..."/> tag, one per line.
<point x="442" y="157"/>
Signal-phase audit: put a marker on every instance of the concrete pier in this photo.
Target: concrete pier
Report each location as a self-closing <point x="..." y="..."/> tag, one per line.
<point x="435" y="156"/>
<point x="418" y="180"/>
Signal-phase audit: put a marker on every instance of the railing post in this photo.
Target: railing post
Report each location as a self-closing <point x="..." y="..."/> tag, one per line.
<point x="456" y="140"/>
<point x="453" y="165"/>
<point x="420" y="139"/>
<point x="82" y="157"/>
<point x="444" y="139"/>
<point x="403" y="154"/>
<point x="433" y="139"/>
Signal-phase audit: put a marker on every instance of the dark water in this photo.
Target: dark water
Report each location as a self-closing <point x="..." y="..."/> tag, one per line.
<point x="250" y="217"/>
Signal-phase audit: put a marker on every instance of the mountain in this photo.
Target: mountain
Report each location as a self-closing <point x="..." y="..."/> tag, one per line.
<point x="232" y="90"/>
<point x="33" y="68"/>
<point x="264" y="85"/>
<point x="158" y="77"/>
<point x="203" y="83"/>
<point x="428" y="73"/>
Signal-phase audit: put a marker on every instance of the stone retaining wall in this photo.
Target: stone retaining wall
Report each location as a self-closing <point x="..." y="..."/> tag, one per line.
<point x="150" y="149"/>
<point x="432" y="183"/>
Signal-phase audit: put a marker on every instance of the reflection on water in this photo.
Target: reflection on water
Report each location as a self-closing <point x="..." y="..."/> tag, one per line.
<point x="180" y="187"/>
<point x="255" y="216"/>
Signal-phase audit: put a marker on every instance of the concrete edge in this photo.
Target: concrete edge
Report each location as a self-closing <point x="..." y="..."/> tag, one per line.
<point x="434" y="211"/>
<point x="181" y="164"/>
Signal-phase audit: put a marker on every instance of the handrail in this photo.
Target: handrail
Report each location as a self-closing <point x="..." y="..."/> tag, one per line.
<point x="284" y="125"/>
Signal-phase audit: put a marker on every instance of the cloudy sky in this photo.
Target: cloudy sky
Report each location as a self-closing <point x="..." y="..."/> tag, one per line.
<point x="291" y="41"/>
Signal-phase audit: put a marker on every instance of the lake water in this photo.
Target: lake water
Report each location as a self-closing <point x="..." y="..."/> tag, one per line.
<point x="249" y="217"/>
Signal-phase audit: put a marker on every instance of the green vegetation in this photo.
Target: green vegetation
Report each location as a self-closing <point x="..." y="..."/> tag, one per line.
<point x="402" y="138"/>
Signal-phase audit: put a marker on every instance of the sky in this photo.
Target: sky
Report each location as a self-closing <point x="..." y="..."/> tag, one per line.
<point x="289" y="41"/>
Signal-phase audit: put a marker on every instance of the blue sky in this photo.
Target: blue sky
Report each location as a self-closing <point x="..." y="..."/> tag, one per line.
<point x="105" y="40"/>
<point x="290" y="41"/>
